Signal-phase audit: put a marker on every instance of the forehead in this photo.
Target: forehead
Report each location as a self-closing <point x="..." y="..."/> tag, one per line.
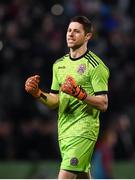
<point x="75" y="25"/>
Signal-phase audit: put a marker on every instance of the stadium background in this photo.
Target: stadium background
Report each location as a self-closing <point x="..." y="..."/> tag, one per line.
<point x="32" y="37"/>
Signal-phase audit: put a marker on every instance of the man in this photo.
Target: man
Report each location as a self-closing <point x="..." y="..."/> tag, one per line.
<point x="79" y="88"/>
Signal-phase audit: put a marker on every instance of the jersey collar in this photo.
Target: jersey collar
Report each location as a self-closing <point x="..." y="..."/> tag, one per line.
<point x="74" y="59"/>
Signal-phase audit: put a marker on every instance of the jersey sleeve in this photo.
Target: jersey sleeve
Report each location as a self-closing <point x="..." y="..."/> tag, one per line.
<point x="99" y="79"/>
<point x="55" y="83"/>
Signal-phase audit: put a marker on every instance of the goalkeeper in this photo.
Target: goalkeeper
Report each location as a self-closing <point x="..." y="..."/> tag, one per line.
<point x="79" y="90"/>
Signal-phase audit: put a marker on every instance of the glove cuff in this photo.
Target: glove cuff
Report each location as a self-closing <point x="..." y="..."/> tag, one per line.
<point x="82" y="94"/>
<point x="36" y="93"/>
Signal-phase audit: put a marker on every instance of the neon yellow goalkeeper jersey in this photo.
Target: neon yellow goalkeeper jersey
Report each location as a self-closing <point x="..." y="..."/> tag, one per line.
<point x="76" y="117"/>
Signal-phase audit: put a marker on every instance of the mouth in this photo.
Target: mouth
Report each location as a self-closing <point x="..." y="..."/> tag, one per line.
<point x="71" y="40"/>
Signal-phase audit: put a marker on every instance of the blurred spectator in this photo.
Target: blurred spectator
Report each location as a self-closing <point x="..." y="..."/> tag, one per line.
<point x="34" y="140"/>
<point x="102" y="162"/>
<point x="6" y="140"/>
<point x="124" y="148"/>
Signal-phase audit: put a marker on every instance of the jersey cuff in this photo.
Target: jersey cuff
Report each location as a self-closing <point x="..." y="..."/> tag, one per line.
<point x="101" y="92"/>
<point x="54" y="91"/>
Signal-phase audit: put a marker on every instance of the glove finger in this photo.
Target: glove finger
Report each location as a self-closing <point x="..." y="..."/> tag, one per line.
<point x="34" y="79"/>
<point x="64" y="88"/>
<point x="33" y="83"/>
<point x="29" y="88"/>
<point x="71" y="81"/>
<point x="69" y="85"/>
<point x="37" y="78"/>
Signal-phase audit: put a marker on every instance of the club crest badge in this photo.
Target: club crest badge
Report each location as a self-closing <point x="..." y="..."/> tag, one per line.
<point x="81" y="69"/>
<point x="74" y="161"/>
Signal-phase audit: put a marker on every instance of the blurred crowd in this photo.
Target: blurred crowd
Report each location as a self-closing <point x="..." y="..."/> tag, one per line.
<point x="32" y="37"/>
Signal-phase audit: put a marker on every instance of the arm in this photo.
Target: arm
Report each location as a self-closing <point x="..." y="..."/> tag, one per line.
<point x="99" y="101"/>
<point x="49" y="99"/>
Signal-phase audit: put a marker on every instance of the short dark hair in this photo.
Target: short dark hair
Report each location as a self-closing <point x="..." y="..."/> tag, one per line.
<point x="87" y="25"/>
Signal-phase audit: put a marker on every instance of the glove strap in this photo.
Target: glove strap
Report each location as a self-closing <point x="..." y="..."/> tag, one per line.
<point x="81" y="93"/>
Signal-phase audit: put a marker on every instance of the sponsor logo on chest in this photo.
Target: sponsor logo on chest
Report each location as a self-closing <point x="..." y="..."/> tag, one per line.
<point x="61" y="67"/>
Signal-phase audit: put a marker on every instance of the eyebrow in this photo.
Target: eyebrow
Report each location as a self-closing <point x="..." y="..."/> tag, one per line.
<point x="74" y="29"/>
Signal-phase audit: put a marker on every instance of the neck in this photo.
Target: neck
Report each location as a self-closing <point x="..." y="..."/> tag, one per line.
<point x="75" y="53"/>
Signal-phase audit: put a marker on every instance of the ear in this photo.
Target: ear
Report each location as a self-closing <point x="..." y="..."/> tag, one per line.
<point x="88" y="36"/>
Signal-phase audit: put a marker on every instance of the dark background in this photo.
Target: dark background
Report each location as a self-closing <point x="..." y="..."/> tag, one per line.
<point x="32" y="37"/>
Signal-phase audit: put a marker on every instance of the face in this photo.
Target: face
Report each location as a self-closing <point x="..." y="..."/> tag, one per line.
<point x="76" y="36"/>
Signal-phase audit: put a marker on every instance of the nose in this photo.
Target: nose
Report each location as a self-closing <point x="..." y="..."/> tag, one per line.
<point x="71" y="33"/>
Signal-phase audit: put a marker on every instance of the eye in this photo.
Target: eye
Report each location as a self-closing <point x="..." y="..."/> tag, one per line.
<point x="69" y="30"/>
<point x="77" y="31"/>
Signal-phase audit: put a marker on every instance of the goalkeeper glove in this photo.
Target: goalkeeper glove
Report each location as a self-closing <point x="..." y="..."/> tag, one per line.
<point x="70" y="87"/>
<point x="31" y="86"/>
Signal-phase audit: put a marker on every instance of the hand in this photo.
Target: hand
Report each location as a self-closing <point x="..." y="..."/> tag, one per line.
<point x="31" y="85"/>
<point x="70" y="87"/>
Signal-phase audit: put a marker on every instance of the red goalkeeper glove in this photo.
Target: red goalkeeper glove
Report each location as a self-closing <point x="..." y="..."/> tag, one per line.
<point x="70" y="87"/>
<point x="31" y="86"/>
